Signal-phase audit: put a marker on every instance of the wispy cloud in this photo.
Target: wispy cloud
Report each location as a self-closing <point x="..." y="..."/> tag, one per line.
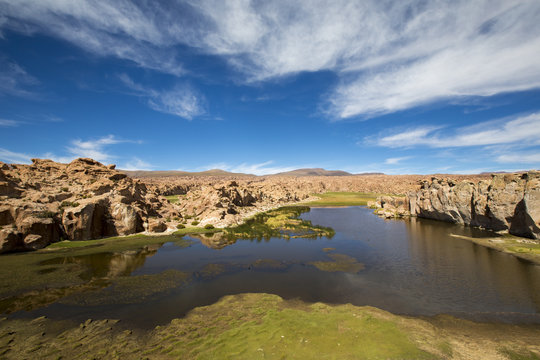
<point x="522" y="130"/>
<point x="97" y="149"/>
<point x="14" y="80"/>
<point x="136" y="164"/>
<point x="388" y="56"/>
<point x="520" y="158"/>
<point x="264" y="168"/>
<point x="136" y="32"/>
<point x="14" y="157"/>
<point x="9" y="123"/>
<point x="94" y="149"/>
<point x="182" y="100"/>
<point x="396" y="160"/>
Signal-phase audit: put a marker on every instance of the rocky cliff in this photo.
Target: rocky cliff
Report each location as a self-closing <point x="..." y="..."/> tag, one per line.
<point x="48" y="201"/>
<point x="507" y="202"/>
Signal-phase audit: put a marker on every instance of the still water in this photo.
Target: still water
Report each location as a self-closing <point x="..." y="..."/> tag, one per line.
<point x="412" y="267"/>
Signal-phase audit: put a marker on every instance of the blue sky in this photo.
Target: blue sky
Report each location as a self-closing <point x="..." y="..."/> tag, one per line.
<point x="399" y="87"/>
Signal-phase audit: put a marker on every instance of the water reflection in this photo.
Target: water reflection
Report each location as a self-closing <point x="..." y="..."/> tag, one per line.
<point x="107" y="265"/>
<point x="404" y="266"/>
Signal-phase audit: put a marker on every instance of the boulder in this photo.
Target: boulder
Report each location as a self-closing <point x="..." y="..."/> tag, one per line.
<point x="156" y="226"/>
<point x="10" y="240"/>
<point x="47" y="228"/>
<point x="34" y="242"/>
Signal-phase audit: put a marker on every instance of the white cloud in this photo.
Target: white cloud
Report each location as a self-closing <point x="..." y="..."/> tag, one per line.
<point x="182" y="100"/>
<point x="264" y="168"/>
<point x="14" y="157"/>
<point x="136" y="164"/>
<point x="14" y="80"/>
<point x="9" y="123"/>
<point x="121" y="28"/>
<point x="94" y="149"/>
<point x="521" y="158"/>
<point x="396" y="160"/>
<point x="388" y="55"/>
<point x="520" y="130"/>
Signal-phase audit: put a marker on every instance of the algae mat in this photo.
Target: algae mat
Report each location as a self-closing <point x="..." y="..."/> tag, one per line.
<point x="263" y="326"/>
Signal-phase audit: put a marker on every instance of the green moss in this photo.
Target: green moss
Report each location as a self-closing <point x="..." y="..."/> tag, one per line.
<point x="264" y="326"/>
<point x="527" y="249"/>
<point x="253" y="326"/>
<point x="343" y="199"/>
<point x="340" y="262"/>
<point x="173" y="199"/>
<point x="282" y="222"/>
<point x="196" y="230"/>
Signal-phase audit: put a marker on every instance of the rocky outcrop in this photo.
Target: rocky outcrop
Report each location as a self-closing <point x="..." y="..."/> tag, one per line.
<point x="391" y="206"/>
<point x="47" y="201"/>
<point x="507" y="202"/>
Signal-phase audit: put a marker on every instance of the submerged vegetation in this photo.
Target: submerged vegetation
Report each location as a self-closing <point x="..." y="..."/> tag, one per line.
<point x="340" y="262"/>
<point x="253" y="326"/>
<point x="282" y="222"/>
<point x="343" y="199"/>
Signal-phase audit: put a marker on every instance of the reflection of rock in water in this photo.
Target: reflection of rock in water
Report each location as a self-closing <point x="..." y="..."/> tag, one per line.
<point x="108" y="265"/>
<point x="97" y="269"/>
<point x="215" y="241"/>
<point x="126" y="262"/>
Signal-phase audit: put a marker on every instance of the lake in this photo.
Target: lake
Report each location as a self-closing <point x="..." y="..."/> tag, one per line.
<point x="412" y="267"/>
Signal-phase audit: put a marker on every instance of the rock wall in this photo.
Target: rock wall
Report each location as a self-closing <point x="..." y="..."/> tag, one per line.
<point x="46" y="201"/>
<point x="507" y="202"/>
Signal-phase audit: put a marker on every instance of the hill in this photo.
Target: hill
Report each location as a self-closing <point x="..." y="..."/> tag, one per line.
<point x="314" y="172"/>
<point x="175" y="173"/>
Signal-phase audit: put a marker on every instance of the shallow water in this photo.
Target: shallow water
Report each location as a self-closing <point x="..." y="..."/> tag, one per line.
<point x="411" y="267"/>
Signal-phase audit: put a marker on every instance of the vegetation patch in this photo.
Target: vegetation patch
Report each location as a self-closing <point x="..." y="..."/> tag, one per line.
<point x="343" y="199"/>
<point x="340" y="262"/>
<point x="526" y="249"/>
<point x="282" y="222"/>
<point x="130" y="289"/>
<point x="264" y="326"/>
<point x="196" y="230"/>
<point x="173" y="199"/>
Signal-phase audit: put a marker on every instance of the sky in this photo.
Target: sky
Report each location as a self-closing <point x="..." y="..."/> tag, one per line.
<point x="400" y="87"/>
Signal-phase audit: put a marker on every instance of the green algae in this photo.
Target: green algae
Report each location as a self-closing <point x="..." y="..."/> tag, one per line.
<point x="343" y="199"/>
<point x="253" y="326"/>
<point x="340" y="262"/>
<point x="523" y="248"/>
<point x="282" y="222"/>
<point x="130" y="289"/>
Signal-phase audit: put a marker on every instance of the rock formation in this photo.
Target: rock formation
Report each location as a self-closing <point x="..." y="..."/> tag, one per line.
<point x="507" y="202"/>
<point x="47" y="201"/>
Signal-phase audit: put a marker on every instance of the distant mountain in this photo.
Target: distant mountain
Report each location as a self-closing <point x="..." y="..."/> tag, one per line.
<point x="223" y="173"/>
<point x="314" y="172"/>
<point x="170" y="173"/>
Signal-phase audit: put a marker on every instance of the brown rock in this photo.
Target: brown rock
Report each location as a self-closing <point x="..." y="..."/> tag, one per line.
<point x="157" y="226"/>
<point x="10" y="240"/>
<point x="34" y="242"/>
